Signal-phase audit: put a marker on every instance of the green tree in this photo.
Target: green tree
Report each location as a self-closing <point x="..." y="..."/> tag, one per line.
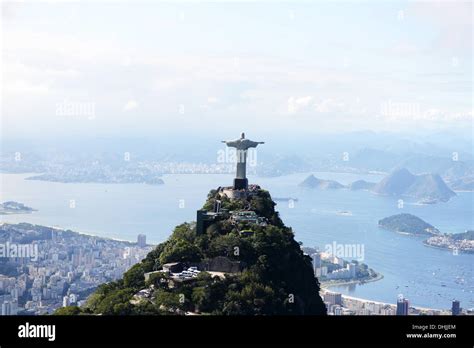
<point x="180" y="251"/>
<point x="69" y="310"/>
<point x="151" y="261"/>
<point x="116" y="303"/>
<point x="200" y="297"/>
<point x="184" y="232"/>
<point x="168" y="301"/>
<point x="134" y="277"/>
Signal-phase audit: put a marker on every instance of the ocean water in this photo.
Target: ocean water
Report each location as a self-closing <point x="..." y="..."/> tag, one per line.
<point x="428" y="277"/>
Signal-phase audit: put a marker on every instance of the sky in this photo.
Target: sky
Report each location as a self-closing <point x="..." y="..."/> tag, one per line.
<point x="132" y="68"/>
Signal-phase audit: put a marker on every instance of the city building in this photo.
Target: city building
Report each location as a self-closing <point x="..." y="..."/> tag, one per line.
<point x="334" y="298"/>
<point x="337" y="310"/>
<point x="9" y="308"/>
<point x="141" y="240"/>
<point x="316" y="261"/>
<point x="245" y="216"/>
<point x="352" y="270"/>
<point x="402" y="306"/>
<point x="203" y="220"/>
<point x="317" y="272"/>
<point x="387" y="311"/>
<point x="455" y="308"/>
<point x="324" y="271"/>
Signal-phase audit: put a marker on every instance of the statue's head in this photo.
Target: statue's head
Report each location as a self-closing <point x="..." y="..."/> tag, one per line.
<point x="242" y="136"/>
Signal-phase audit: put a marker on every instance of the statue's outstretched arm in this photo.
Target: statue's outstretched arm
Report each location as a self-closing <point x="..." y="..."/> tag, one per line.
<point x="234" y="143"/>
<point x="255" y="143"/>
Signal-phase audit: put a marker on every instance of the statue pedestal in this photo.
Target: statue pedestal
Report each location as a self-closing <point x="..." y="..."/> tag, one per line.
<point x="241" y="184"/>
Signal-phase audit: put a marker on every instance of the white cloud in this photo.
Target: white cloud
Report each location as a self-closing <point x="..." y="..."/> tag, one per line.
<point x="22" y="88"/>
<point x="452" y="20"/>
<point x="99" y="67"/>
<point x="329" y="105"/>
<point x="130" y="105"/>
<point x="59" y="46"/>
<point x="404" y="48"/>
<point x="311" y="105"/>
<point x="296" y="104"/>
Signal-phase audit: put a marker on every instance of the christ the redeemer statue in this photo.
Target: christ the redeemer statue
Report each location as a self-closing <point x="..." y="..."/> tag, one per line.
<point x="242" y="145"/>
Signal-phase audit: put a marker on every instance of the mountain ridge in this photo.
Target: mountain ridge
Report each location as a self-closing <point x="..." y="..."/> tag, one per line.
<point x="426" y="187"/>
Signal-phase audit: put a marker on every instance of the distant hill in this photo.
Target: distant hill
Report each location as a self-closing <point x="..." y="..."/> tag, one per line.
<point x="315" y="183"/>
<point x="283" y="166"/>
<point x="468" y="235"/>
<point x="362" y="185"/>
<point x="463" y="184"/>
<point x="426" y="187"/>
<point x="429" y="160"/>
<point x="455" y="170"/>
<point x="374" y="159"/>
<point x="407" y="223"/>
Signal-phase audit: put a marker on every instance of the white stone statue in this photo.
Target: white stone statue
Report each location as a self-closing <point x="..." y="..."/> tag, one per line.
<point x="242" y="145"/>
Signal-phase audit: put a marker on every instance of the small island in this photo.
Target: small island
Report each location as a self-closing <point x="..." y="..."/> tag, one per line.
<point x="362" y="185"/>
<point x="413" y="225"/>
<point x="408" y="224"/>
<point x="313" y="182"/>
<point x="11" y="207"/>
